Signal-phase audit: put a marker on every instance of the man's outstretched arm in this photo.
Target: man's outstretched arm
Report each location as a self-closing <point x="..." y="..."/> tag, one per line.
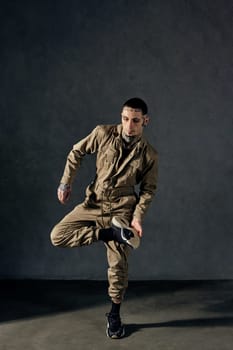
<point x="86" y="146"/>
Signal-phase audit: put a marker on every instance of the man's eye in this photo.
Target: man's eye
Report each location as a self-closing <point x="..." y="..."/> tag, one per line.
<point x="136" y="120"/>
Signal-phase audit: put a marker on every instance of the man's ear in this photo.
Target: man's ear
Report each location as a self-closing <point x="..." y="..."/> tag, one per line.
<point x="146" y="120"/>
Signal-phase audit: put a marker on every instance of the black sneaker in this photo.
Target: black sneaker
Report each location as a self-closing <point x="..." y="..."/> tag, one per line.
<point x="115" y="329"/>
<point x="124" y="234"/>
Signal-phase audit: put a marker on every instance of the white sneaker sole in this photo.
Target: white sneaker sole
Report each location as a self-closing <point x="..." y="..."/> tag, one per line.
<point x="114" y="336"/>
<point x="134" y="242"/>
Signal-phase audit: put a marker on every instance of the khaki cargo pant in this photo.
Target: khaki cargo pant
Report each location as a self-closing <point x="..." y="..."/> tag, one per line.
<point x="81" y="227"/>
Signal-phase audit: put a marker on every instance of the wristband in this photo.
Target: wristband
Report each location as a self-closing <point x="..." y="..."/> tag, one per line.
<point x="64" y="187"/>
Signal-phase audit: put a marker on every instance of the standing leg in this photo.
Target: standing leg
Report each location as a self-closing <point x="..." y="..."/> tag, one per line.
<point x="117" y="255"/>
<point x="118" y="282"/>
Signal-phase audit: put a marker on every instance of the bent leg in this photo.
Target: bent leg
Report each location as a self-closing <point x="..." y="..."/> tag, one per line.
<point x="76" y="229"/>
<point x="81" y="227"/>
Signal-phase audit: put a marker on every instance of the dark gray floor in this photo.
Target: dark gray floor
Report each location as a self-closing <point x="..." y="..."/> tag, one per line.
<point x="68" y="315"/>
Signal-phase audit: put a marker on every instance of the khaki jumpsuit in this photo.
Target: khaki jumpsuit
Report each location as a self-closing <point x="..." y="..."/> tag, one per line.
<point x="112" y="193"/>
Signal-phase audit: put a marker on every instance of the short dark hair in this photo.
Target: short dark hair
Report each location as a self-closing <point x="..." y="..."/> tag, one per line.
<point x="136" y="103"/>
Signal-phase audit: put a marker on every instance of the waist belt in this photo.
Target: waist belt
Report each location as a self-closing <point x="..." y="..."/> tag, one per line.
<point x="117" y="192"/>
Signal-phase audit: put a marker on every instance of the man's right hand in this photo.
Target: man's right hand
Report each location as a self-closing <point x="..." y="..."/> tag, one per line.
<point x="63" y="193"/>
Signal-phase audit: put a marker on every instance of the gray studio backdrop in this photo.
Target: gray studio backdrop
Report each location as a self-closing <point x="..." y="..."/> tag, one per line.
<point x="67" y="66"/>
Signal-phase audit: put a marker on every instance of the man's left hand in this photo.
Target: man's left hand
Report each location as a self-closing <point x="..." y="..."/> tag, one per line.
<point x="136" y="224"/>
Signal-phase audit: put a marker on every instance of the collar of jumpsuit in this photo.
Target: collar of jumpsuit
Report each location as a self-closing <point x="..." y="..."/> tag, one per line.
<point x="129" y="141"/>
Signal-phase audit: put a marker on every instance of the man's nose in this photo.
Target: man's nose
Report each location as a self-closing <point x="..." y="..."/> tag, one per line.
<point x="131" y="124"/>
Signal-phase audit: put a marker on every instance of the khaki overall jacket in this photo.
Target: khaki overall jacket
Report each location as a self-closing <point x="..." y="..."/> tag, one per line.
<point x="116" y="175"/>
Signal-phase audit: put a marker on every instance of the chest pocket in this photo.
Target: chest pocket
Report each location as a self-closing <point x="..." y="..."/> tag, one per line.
<point x="135" y="170"/>
<point x="106" y="158"/>
<point x="136" y="165"/>
<point x="110" y="156"/>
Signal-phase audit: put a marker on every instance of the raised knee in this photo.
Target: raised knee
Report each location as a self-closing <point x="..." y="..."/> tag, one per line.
<point x="54" y="237"/>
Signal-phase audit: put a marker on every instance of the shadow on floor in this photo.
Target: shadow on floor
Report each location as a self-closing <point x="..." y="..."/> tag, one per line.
<point x="20" y="299"/>
<point x="198" y="322"/>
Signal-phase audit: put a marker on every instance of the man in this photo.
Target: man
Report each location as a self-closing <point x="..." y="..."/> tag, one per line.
<point x="112" y="212"/>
